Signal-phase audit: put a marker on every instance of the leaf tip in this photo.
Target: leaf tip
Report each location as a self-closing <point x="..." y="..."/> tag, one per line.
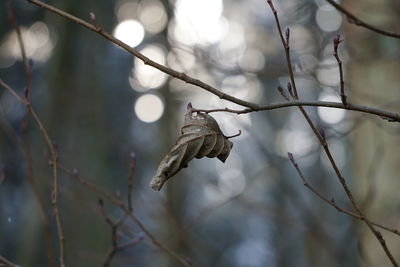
<point x="157" y="182"/>
<point x="155" y="187"/>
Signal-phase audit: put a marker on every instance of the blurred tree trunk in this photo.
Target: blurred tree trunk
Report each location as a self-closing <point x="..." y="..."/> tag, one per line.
<point x="373" y="79"/>
<point x="76" y="113"/>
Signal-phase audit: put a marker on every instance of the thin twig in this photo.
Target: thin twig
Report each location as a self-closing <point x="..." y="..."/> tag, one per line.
<point x="122" y="206"/>
<point x="54" y="195"/>
<point x="336" y="42"/>
<point x="28" y="71"/>
<point x="132" y="167"/>
<point x="25" y="139"/>
<point x="13" y="92"/>
<point x="355" y="20"/>
<point x="186" y="78"/>
<point x="387" y="115"/>
<point x="114" y="236"/>
<point x="53" y="152"/>
<point x="139" y="237"/>
<point x="285" y="42"/>
<point x="179" y="75"/>
<point x="104" y="213"/>
<point x="325" y="146"/>
<point x="332" y="201"/>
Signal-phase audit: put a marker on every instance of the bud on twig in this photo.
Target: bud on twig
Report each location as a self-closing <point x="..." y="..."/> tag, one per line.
<point x="280" y="89"/>
<point x="336" y="42"/>
<point x="291" y="158"/>
<point x="93" y="19"/>
<point x="290" y="89"/>
<point x="287" y="35"/>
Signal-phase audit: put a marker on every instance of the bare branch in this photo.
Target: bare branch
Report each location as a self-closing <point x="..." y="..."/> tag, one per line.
<point x="132" y="167"/>
<point x="14" y="23"/>
<point x="114" y="236"/>
<point x="75" y="174"/>
<point x="186" y="78"/>
<point x="286" y="46"/>
<point x="336" y="42"/>
<point x="25" y="139"/>
<point x="324" y="144"/>
<point x="53" y="152"/>
<point x="332" y="201"/>
<point x="179" y="75"/>
<point x="355" y="20"/>
<point x="390" y="116"/>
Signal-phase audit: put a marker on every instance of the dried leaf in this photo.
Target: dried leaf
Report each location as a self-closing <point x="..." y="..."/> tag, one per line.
<point x="201" y="137"/>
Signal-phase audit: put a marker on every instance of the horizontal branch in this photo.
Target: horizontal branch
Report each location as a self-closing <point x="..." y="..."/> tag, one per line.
<point x="387" y="115"/>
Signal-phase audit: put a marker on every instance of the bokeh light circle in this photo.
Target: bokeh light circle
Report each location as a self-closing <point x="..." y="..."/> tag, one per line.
<point x="330" y="115"/>
<point x="130" y="32"/>
<point x="149" y="108"/>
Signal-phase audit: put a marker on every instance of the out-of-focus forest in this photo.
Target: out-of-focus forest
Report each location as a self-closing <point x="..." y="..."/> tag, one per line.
<point x="112" y="119"/>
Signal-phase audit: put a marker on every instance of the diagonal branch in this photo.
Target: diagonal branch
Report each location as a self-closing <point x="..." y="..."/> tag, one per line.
<point x="25" y="138"/>
<point x="53" y="152"/>
<point x="322" y="140"/>
<point x="179" y="75"/>
<point x="186" y="78"/>
<point x="355" y="20"/>
<point x="332" y="201"/>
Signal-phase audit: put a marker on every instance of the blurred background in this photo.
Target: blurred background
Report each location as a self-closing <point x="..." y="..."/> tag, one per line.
<point x="99" y="104"/>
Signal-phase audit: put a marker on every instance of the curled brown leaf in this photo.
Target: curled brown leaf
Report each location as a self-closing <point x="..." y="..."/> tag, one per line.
<point x="201" y="137"/>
